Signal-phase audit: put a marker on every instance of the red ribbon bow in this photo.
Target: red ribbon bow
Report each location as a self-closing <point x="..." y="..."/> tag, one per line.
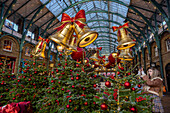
<point x="117" y="28"/>
<point x="102" y="58"/>
<point x="79" y="19"/>
<point x="100" y="48"/>
<point x="42" y="40"/>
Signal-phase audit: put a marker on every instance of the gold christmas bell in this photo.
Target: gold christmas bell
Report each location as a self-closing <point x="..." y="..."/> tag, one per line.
<point x="124" y="40"/>
<point x="63" y="35"/>
<point x="73" y="44"/>
<point x="84" y="34"/>
<point x="125" y="55"/>
<point x="38" y="51"/>
<point x="94" y="57"/>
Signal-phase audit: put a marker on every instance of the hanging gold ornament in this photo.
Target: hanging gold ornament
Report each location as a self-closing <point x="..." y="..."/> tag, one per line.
<point x="124" y="40"/>
<point x="73" y="44"/>
<point x="125" y="55"/>
<point x="65" y="31"/>
<point x="63" y="36"/>
<point x="94" y="57"/>
<point x="38" y="51"/>
<point x="85" y="36"/>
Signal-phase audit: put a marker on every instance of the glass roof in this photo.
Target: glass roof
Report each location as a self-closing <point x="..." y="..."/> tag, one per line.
<point x="57" y="6"/>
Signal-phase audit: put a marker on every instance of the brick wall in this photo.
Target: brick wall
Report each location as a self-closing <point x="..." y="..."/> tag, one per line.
<point x="14" y="52"/>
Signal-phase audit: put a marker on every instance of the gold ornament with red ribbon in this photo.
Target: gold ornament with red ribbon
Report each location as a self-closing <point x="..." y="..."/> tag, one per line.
<point x="125" y="55"/>
<point x="40" y="47"/>
<point x="124" y="40"/>
<point x="75" y="24"/>
<point x="84" y="34"/>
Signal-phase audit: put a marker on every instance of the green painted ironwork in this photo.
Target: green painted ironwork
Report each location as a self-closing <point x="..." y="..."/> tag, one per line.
<point x="107" y="32"/>
<point x="25" y="31"/>
<point x="158" y="43"/>
<point x="2" y="11"/>
<point x="116" y="1"/>
<point x="163" y="13"/>
<point x="144" y="61"/>
<point x="41" y="16"/>
<point x="6" y="14"/>
<point x="121" y="17"/>
<point x="48" y="26"/>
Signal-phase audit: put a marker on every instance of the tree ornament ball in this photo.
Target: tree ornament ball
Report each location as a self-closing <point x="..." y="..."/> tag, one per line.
<point x="95" y="76"/>
<point x="84" y="89"/>
<point x="127" y="85"/>
<point x="70" y="100"/>
<point x="94" y="85"/>
<point x="77" y="55"/>
<point x="85" y="103"/>
<point x="133" y="109"/>
<point x="68" y="106"/>
<point x="139" y="86"/>
<point x="133" y="89"/>
<point x="107" y="84"/>
<point x="104" y="106"/>
<point x="77" y="78"/>
<point x="72" y="78"/>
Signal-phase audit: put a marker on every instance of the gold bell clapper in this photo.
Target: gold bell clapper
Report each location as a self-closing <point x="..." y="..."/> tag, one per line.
<point x="85" y="36"/>
<point x="125" y="55"/>
<point x="124" y="40"/>
<point x="39" y="49"/>
<point x="63" y="36"/>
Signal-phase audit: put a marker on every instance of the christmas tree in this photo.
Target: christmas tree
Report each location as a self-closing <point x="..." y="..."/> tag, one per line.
<point x="123" y="93"/>
<point x="72" y="87"/>
<point x="6" y="77"/>
<point x="29" y="83"/>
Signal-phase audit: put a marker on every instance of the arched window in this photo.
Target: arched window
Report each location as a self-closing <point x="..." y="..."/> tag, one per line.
<point x="168" y="44"/>
<point x="27" y="51"/>
<point x="7" y="45"/>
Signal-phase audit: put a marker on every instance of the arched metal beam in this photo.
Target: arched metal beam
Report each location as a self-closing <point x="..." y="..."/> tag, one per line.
<point x="118" y="24"/>
<point x="103" y="11"/>
<point x="107" y="36"/>
<point x="116" y="1"/>
<point x="107" y="33"/>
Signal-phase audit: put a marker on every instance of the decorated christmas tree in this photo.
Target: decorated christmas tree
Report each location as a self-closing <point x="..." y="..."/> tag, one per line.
<point x="72" y="88"/>
<point x="6" y="77"/>
<point x="29" y="83"/>
<point x="123" y="93"/>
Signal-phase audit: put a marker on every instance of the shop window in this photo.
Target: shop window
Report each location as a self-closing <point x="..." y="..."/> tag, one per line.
<point x="156" y="51"/>
<point x="27" y="51"/>
<point x="51" y="57"/>
<point x="168" y="44"/>
<point x="11" y="25"/>
<point x="7" y="45"/>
